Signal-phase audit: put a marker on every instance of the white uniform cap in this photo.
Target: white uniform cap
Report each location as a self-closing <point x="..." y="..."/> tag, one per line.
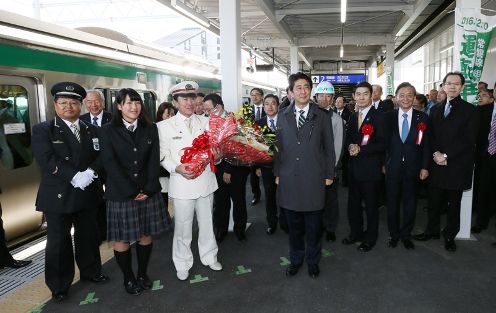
<point x="187" y="87"/>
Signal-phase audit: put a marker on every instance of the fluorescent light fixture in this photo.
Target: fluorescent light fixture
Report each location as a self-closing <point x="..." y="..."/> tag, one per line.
<point x="446" y="48"/>
<point x="343" y="11"/>
<point x="190" y="12"/>
<point x="341" y="66"/>
<point x="341" y="51"/>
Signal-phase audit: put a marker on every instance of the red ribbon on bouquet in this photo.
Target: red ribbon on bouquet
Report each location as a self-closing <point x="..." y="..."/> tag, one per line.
<point x="200" y="146"/>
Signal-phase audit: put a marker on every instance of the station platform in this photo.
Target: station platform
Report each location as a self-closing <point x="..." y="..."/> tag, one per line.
<point x="426" y="279"/>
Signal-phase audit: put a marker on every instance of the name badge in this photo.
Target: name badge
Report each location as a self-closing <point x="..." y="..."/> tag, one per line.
<point x="57" y="141"/>
<point x="96" y="144"/>
<point x="177" y="137"/>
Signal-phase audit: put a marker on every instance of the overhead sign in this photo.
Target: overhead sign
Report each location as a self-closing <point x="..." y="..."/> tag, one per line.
<point x="339" y="79"/>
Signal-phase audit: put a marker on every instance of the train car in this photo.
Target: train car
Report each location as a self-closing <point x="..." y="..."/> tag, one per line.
<point x="35" y="55"/>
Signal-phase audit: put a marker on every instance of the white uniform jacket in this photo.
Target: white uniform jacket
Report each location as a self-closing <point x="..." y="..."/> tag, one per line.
<point x="175" y="136"/>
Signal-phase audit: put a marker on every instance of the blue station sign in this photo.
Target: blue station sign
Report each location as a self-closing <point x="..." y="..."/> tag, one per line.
<point x="339" y="79"/>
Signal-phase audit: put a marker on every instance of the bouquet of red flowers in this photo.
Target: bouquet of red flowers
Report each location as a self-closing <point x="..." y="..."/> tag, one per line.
<point x="237" y="139"/>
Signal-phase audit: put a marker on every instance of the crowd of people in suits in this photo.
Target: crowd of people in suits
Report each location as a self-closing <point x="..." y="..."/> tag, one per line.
<point x="381" y="150"/>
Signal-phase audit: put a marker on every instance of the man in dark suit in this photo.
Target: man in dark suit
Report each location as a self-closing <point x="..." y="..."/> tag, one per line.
<point x="407" y="161"/>
<point x="303" y="166"/>
<point x="453" y="131"/>
<point x="366" y="143"/>
<point x="94" y="102"/>
<point x="485" y="162"/>
<point x="257" y="109"/>
<point x="266" y="171"/>
<point x="70" y="192"/>
<point x="96" y="116"/>
<point x="382" y="106"/>
<point x="345" y="113"/>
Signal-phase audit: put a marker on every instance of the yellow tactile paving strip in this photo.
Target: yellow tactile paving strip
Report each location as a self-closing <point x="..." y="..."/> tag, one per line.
<point x="34" y="293"/>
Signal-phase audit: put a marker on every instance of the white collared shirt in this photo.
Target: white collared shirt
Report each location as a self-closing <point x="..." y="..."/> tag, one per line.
<point x="99" y="118"/>
<point x="376" y="103"/>
<point x="364" y="113"/>
<point x="127" y="124"/>
<point x="70" y="123"/>
<point x="400" y="119"/>
<point x="274" y="118"/>
<point x="256" y="106"/>
<point x="297" y="112"/>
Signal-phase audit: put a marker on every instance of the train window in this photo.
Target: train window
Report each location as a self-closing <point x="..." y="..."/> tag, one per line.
<point x="15" y="130"/>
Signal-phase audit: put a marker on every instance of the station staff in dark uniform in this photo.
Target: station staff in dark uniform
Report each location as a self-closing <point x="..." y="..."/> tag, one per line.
<point x="70" y="192"/>
<point x="135" y="207"/>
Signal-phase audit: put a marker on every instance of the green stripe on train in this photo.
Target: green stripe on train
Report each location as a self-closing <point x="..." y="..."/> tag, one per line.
<point x="16" y="56"/>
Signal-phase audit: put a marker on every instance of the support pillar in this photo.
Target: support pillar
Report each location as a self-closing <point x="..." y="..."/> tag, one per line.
<point x="390" y="68"/>
<point x="293" y="55"/>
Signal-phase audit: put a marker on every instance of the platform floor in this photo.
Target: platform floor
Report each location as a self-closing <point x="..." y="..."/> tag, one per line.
<point x="427" y="279"/>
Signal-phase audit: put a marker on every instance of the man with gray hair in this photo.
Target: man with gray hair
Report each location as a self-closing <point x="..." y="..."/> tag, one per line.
<point x="94" y="102"/>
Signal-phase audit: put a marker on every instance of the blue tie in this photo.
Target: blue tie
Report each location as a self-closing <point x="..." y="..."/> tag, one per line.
<point x="447" y="109"/>
<point x="95" y="119"/>
<point x="404" y="127"/>
<point x="272" y="125"/>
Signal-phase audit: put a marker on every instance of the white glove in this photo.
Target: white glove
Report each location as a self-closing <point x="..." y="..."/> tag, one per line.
<point x="83" y="179"/>
<point x="75" y="180"/>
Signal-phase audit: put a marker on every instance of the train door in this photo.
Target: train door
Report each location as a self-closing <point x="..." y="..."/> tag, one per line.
<point x="149" y="101"/>
<point x="19" y="173"/>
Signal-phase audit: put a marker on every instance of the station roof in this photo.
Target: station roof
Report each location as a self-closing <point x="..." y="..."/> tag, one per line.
<point x="315" y="27"/>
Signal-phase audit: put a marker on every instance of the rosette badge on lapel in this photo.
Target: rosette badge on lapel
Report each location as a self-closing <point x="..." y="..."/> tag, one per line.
<point x="367" y="131"/>
<point x="421" y="127"/>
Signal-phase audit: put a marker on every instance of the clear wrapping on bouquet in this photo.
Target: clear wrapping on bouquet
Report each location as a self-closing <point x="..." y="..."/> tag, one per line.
<point x="235" y="140"/>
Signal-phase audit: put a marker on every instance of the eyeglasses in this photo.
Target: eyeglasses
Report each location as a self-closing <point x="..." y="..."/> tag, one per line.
<point x="452" y="84"/>
<point x="255" y="94"/>
<point x="65" y="104"/>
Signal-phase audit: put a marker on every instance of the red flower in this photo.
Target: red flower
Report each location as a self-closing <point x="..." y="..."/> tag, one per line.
<point x="421" y="126"/>
<point x="367" y="129"/>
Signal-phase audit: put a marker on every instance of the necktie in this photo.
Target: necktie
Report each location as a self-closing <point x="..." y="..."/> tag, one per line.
<point x="447" y="109"/>
<point x="130" y="128"/>
<point x="75" y="130"/>
<point x="360" y="119"/>
<point x="492" y="138"/>
<point x="95" y="121"/>
<point x="339" y="112"/>
<point x="272" y="125"/>
<point x="301" y="119"/>
<point x="259" y="115"/>
<point x="188" y="124"/>
<point x="404" y="127"/>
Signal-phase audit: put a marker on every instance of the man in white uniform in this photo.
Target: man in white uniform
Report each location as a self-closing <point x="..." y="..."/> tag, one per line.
<point x="188" y="194"/>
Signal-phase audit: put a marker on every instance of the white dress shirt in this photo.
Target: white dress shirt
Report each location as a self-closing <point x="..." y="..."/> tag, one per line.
<point x="274" y="118"/>
<point x="99" y="118"/>
<point x="127" y="124"/>
<point x="364" y="112"/>
<point x="297" y="112"/>
<point x="76" y="123"/>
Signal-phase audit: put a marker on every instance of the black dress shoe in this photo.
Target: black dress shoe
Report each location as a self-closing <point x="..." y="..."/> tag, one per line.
<point x="132" y="287"/>
<point x="17" y="263"/>
<point x="270" y="230"/>
<point x="292" y="269"/>
<point x="313" y="270"/>
<point x="255" y="200"/>
<point x="144" y="282"/>
<point x="365" y="247"/>
<point x="349" y="240"/>
<point x="408" y="244"/>
<point x="241" y="236"/>
<point x="477" y="229"/>
<point x="425" y="236"/>
<point x="392" y="242"/>
<point x="98" y="279"/>
<point x="59" y="296"/>
<point x="330" y="236"/>
<point x="450" y="245"/>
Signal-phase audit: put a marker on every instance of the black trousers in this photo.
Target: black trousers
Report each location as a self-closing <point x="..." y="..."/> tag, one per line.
<point x="368" y="193"/>
<point x="484" y="195"/>
<point x="5" y="256"/>
<point x="331" y="209"/>
<point x="440" y="198"/>
<point x="59" y="257"/>
<point x="270" y="189"/>
<point x="255" y="183"/>
<point x="401" y="192"/>
<point x="236" y="191"/>
<point x="304" y="225"/>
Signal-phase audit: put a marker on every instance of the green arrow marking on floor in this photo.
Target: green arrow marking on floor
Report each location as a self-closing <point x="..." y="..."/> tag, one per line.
<point x="198" y="279"/>
<point x="326" y="253"/>
<point x="284" y="261"/>
<point x="38" y="308"/>
<point x="242" y="270"/>
<point x="156" y="285"/>
<point x="89" y="299"/>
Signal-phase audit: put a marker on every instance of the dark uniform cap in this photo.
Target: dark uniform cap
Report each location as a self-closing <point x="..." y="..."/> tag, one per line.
<point x="68" y="90"/>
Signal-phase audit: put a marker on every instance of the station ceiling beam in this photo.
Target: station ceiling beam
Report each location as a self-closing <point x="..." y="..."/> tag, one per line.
<point x="323" y="41"/>
<point x="408" y="19"/>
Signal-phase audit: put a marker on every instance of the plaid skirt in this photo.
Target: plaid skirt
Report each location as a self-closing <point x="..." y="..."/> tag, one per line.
<point x="130" y="220"/>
